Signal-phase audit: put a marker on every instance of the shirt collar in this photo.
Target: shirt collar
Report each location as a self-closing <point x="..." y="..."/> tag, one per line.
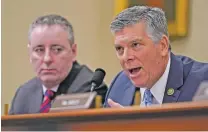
<point x="158" y="88"/>
<point x="54" y="89"/>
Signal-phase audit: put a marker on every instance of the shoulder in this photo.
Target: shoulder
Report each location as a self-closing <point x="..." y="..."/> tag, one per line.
<point x="86" y="71"/>
<point x="22" y="95"/>
<point x="118" y="87"/>
<point x="84" y="74"/>
<point x="82" y="77"/>
<point x="119" y="83"/>
<point x="192" y="67"/>
<point x="29" y="86"/>
<point x="192" y="72"/>
<point x="83" y="70"/>
<point x="120" y="79"/>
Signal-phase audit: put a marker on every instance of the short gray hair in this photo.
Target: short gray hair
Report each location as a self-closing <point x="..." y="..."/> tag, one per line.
<point x="53" y="19"/>
<point x="153" y="17"/>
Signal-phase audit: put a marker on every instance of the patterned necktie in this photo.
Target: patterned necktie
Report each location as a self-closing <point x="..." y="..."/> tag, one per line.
<point x="147" y="100"/>
<point x="46" y="105"/>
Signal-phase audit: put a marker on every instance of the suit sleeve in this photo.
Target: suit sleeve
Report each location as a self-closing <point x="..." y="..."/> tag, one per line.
<point x="82" y="83"/>
<point x="109" y="90"/>
<point x="12" y="111"/>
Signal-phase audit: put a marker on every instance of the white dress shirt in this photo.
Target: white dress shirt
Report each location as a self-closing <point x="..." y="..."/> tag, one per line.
<point x="54" y="89"/>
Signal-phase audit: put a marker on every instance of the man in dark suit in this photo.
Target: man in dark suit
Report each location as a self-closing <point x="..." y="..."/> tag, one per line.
<point x="149" y="66"/>
<point x="53" y="56"/>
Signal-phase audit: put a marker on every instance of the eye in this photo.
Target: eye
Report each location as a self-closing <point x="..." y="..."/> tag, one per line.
<point x="119" y="49"/>
<point x="135" y="44"/>
<point x="57" y="49"/>
<point x="39" y="49"/>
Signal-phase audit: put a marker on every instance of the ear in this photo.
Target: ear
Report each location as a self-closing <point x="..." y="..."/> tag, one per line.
<point x="28" y="46"/>
<point x="164" y="45"/>
<point x="30" y="60"/>
<point x="74" y="51"/>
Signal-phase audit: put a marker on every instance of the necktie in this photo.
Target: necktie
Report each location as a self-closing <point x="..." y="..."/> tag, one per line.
<point x="147" y="100"/>
<point x="46" y="105"/>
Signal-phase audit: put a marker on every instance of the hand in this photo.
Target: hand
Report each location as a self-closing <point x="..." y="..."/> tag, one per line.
<point x="114" y="104"/>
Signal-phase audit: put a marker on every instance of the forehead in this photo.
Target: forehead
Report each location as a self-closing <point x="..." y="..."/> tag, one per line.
<point x="130" y="33"/>
<point x="44" y="34"/>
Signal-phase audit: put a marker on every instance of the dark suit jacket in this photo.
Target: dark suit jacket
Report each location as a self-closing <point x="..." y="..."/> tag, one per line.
<point x="29" y="96"/>
<point x="185" y="75"/>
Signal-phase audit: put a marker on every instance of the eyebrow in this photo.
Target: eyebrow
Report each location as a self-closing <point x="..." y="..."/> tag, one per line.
<point x="136" y="40"/>
<point x="54" y="45"/>
<point x="39" y="45"/>
<point x="131" y="41"/>
<point x="42" y="45"/>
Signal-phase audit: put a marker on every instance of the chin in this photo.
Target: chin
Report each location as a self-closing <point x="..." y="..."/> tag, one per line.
<point x="49" y="79"/>
<point x="139" y="83"/>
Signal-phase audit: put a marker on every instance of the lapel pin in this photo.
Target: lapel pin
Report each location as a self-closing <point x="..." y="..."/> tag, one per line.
<point x="170" y="91"/>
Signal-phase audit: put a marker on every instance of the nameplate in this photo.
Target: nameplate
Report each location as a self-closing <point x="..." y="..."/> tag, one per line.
<point x="73" y="101"/>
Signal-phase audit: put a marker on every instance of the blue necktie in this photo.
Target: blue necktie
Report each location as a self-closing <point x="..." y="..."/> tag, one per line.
<point x="147" y="100"/>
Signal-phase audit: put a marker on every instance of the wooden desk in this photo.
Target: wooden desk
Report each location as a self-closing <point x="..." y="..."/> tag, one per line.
<point x="179" y="116"/>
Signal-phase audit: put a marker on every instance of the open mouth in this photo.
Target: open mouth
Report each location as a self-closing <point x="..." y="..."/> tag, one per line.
<point x="134" y="70"/>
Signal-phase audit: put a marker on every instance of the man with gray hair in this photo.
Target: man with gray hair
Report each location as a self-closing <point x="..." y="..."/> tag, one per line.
<point x="52" y="51"/>
<point x="143" y="49"/>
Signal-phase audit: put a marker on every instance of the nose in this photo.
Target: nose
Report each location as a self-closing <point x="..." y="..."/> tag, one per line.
<point x="47" y="57"/>
<point x="128" y="55"/>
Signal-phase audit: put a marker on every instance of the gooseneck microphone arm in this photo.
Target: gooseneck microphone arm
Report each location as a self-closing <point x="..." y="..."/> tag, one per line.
<point x="93" y="86"/>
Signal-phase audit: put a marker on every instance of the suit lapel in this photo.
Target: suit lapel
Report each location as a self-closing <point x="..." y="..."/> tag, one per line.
<point x="36" y="98"/>
<point x="175" y="80"/>
<point x="128" y="94"/>
<point x="65" y="86"/>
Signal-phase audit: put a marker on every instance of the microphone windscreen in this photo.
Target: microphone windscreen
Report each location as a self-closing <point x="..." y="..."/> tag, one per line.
<point x="98" y="76"/>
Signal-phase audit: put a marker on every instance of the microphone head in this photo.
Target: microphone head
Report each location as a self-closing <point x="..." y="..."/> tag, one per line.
<point x="98" y="76"/>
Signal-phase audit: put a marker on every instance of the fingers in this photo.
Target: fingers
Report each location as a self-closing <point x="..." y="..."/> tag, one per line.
<point x="114" y="104"/>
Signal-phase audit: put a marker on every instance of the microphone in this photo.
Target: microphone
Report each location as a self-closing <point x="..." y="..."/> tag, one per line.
<point x="81" y="100"/>
<point x="97" y="78"/>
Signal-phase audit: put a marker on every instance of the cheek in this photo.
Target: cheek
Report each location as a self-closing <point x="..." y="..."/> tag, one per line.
<point x="35" y="57"/>
<point x="149" y="62"/>
<point x="64" y="62"/>
<point x="36" y="61"/>
<point x="122" y="63"/>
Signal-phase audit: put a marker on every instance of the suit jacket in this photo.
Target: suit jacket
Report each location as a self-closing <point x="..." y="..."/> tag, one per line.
<point x="28" y="97"/>
<point x="184" y="77"/>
